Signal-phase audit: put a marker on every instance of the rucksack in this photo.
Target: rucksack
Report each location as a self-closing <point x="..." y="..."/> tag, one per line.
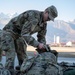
<point x="45" y="64"/>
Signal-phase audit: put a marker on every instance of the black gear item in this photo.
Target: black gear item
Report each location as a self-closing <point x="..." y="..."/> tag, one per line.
<point x="46" y="49"/>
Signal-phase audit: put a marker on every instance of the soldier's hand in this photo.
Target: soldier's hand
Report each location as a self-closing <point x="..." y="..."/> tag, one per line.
<point x="41" y="46"/>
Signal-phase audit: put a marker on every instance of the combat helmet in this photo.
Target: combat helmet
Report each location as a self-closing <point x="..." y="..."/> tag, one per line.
<point x="53" y="13"/>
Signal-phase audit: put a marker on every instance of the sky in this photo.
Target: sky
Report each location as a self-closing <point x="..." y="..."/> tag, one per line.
<point x="66" y="8"/>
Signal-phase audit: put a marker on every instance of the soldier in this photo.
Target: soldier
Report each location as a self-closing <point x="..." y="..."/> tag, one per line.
<point x="19" y="31"/>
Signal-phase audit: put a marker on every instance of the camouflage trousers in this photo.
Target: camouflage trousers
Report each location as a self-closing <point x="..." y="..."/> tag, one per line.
<point x="10" y="46"/>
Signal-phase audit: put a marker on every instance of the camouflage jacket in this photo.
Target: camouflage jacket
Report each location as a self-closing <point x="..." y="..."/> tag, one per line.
<point x="28" y="23"/>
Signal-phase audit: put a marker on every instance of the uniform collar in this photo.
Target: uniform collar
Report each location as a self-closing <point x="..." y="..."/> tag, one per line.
<point x="41" y="23"/>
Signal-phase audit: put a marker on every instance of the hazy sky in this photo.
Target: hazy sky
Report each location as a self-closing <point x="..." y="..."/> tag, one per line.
<point x="66" y="8"/>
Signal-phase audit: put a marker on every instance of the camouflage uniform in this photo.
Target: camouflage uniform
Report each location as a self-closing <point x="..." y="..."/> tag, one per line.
<point x="18" y="32"/>
<point x="0" y="45"/>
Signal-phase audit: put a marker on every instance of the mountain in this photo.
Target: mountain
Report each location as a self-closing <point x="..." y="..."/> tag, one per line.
<point x="65" y="30"/>
<point x="5" y="18"/>
<point x="15" y="14"/>
<point x="72" y="24"/>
